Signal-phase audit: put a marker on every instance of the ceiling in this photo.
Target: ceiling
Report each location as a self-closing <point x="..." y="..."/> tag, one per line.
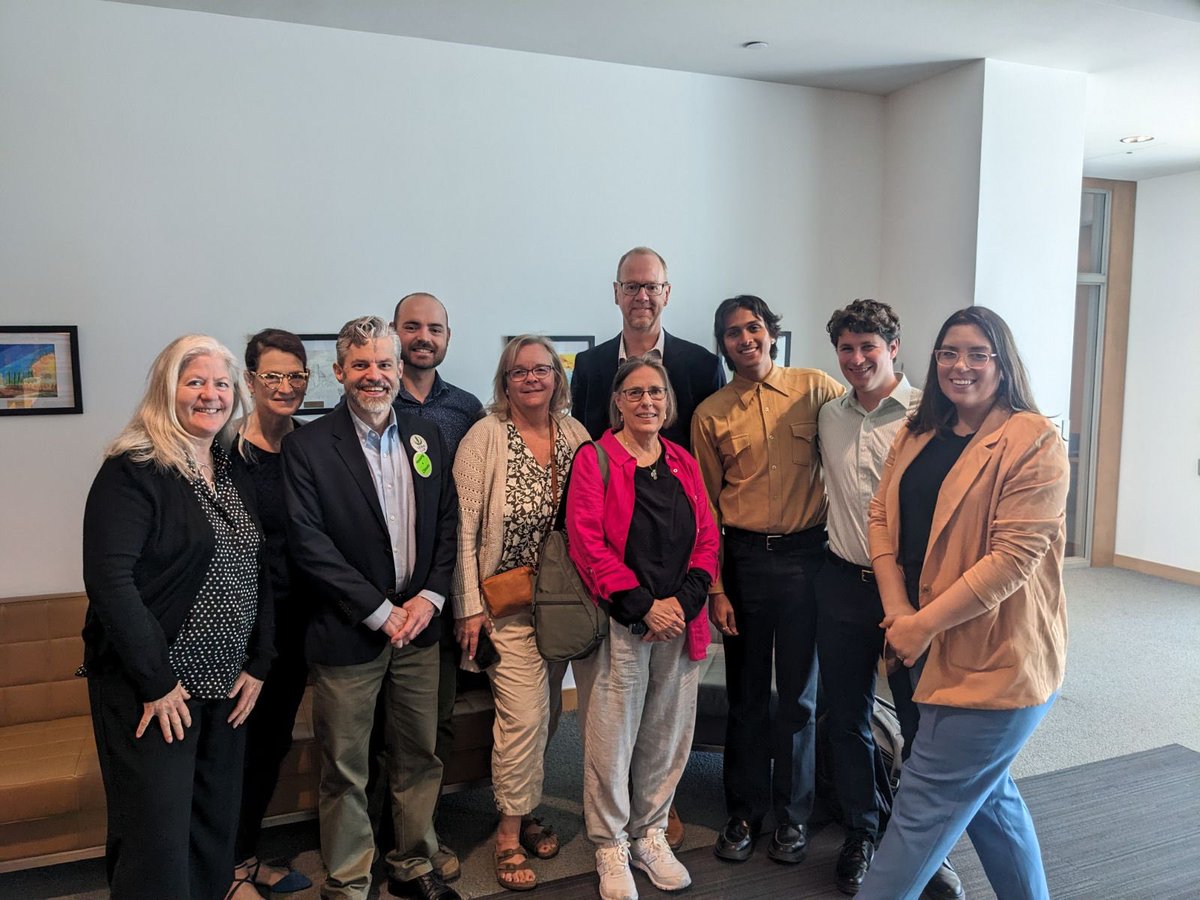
<point x="1142" y="56"/>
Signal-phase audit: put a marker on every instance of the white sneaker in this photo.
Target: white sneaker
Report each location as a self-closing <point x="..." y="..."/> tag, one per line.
<point x="616" y="880"/>
<point x="652" y="854"/>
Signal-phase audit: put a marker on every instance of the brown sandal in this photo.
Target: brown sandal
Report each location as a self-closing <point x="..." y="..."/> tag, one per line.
<point x="503" y="867"/>
<point x="534" y="834"/>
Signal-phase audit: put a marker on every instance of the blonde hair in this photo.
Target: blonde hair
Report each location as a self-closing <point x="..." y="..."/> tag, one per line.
<point x="154" y="434"/>
<point x="560" y="400"/>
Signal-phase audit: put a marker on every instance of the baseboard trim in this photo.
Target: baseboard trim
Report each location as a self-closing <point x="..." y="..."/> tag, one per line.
<point x="1171" y="573"/>
<point x="570" y="698"/>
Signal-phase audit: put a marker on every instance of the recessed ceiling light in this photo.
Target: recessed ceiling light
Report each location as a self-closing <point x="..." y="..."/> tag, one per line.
<point x="755" y="45"/>
<point x="1137" y="139"/>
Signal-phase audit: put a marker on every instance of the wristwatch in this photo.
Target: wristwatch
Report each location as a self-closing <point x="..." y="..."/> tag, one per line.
<point x="638" y="628"/>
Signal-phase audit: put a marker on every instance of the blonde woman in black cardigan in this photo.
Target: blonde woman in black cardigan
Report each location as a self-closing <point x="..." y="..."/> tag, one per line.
<point x="177" y="634"/>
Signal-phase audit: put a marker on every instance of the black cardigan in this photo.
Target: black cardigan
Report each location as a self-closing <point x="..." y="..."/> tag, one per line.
<point x="146" y="549"/>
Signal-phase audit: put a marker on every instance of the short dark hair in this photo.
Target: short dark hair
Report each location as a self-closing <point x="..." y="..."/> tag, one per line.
<point x="274" y="339"/>
<point x="864" y="317"/>
<point x="936" y="411"/>
<point x="758" y="307"/>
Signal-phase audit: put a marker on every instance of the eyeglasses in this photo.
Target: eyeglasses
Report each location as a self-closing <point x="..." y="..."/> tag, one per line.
<point x="634" y="395"/>
<point x="652" y="288"/>
<point x="975" y="359"/>
<point x="538" y="372"/>
<point x="274" y="379"/>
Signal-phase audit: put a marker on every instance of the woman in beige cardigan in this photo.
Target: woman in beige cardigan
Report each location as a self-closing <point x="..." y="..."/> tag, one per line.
<point x="967" y="536"/>
<point x="510" y="470"/>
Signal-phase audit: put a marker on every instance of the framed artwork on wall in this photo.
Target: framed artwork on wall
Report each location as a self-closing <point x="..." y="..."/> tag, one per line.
<point x="568" y="346"/>
<point x="39" y="370"/>
<point x="324" y="391"/>
<point x="784" y="343"/>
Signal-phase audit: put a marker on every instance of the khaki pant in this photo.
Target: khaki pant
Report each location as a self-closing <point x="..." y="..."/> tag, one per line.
<point x="528" y="695"/>
<point x="637" y="701"/>
<point x="343" y="712"/>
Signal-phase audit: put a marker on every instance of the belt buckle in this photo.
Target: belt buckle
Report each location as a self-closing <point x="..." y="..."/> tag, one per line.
<point x="774" y="537"/>
<point x="866" y="576"/>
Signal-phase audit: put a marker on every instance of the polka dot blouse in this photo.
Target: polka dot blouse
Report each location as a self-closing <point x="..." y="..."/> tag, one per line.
<point x="210" y="649"/>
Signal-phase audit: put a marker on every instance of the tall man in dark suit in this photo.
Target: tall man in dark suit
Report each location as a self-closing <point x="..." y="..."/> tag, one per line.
<point x="373" y="519"/>
<point x="642" y="292"/>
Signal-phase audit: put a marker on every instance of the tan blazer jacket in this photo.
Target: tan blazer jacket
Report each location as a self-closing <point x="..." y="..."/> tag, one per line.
<point x="999" y="524"/>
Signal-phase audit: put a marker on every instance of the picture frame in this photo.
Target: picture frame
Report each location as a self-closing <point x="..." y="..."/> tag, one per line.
<point x="568" y="346"/>
<point x="324" y="390"/>
<point x="39" y="370"/>
<point x="784" y="343"/>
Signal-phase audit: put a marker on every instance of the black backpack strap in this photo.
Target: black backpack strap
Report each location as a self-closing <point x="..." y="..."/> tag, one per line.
<point x="560" y="516"/>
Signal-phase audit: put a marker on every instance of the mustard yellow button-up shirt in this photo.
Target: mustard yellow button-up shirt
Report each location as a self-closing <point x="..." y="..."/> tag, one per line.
<point x="756" y="442"/>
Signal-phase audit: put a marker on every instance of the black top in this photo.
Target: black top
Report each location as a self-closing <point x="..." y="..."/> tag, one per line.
<point x="693" y="371"/>
<point x="661" y="535"/>
<point x="290" y="600"/>
<point x="919" y="486"/>
<point x="147" y="548"/>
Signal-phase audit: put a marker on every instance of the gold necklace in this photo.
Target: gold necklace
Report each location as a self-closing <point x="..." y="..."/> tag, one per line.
<point x="636" y="452"/>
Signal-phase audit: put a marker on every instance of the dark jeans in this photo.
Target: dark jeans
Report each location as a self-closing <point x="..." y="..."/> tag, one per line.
<point x="172" y="808"/>
<point x="268" y="739"/>
<point x="770" y="585"/>
<point x="849" y="643"/>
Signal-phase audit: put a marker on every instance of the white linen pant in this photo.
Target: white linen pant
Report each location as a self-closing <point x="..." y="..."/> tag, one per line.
<point x="637" y="701"/>
<point x="528" y="695"/>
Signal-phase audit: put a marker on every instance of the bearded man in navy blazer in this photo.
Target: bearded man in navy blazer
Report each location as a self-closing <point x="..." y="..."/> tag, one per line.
<point x="373" y="522"/>
<point x="642" y="293"/>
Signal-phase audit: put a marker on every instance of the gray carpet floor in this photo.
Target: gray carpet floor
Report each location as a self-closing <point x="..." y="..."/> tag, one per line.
<point x="1131" y="686"/>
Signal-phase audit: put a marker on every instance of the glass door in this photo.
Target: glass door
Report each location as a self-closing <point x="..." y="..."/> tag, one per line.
<point x="1085" y="368"/>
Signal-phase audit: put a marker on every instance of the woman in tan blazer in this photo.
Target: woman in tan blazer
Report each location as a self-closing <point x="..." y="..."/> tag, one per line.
<point x="967" y="536"/>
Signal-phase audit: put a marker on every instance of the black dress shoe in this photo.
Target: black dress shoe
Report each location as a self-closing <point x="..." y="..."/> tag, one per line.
<point x="853" y="862"/>
<point x="789" y="844"/>
<point x="944" y="885"/>
<point x="424" y="887"/>
<point x="736" y="840"/>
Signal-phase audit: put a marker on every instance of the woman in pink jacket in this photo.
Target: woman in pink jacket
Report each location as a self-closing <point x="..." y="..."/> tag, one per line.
<point x="646" y="546"/>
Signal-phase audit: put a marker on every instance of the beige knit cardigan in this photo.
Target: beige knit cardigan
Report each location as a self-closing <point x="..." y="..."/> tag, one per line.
<point x="480" y="471"/>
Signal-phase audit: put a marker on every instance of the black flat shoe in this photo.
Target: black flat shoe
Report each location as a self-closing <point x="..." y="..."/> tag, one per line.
<point x="736" y="840"/>
<point x="853" y="862"/>
<point x="424" y="887"/>
<point x="788" y="844"/>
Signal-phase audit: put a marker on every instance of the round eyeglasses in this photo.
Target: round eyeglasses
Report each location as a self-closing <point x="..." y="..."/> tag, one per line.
<point x="275" y="379"/>
<point x="975" y="359"/>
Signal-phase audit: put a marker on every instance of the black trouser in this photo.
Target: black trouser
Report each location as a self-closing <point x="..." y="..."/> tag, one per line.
<point x="849" y="643"/>
<point x="268" y="739"/>
<point x="172" y="808"/>
<point x="769" y="581"/>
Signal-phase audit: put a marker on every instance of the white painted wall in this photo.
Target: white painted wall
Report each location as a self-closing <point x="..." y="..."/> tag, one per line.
<point x="165" y="171"/>
<point x="1158" y="504"/>
<point x="1027" y="248"/>
<point x="932" y="133"/>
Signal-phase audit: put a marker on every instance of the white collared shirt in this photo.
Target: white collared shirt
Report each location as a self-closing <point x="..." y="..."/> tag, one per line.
<point x="854" y="446"/>
<point x="657" y="348"/>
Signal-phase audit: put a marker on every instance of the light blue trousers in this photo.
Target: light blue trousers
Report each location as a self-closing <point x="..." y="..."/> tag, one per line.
<point x="957" y="779"/>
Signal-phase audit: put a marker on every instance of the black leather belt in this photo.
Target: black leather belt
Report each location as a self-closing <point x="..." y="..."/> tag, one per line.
<point x="808" y="539"/>
<point x="866" y="575"/>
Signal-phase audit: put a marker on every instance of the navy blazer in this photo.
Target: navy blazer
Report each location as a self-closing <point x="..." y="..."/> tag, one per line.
<point x="338" y="537"/>
<point x="694" y="373"/>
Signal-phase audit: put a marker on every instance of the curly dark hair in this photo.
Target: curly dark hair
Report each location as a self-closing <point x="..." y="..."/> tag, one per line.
<point x="864" y="317"/>
<point x="757" y="306"/>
